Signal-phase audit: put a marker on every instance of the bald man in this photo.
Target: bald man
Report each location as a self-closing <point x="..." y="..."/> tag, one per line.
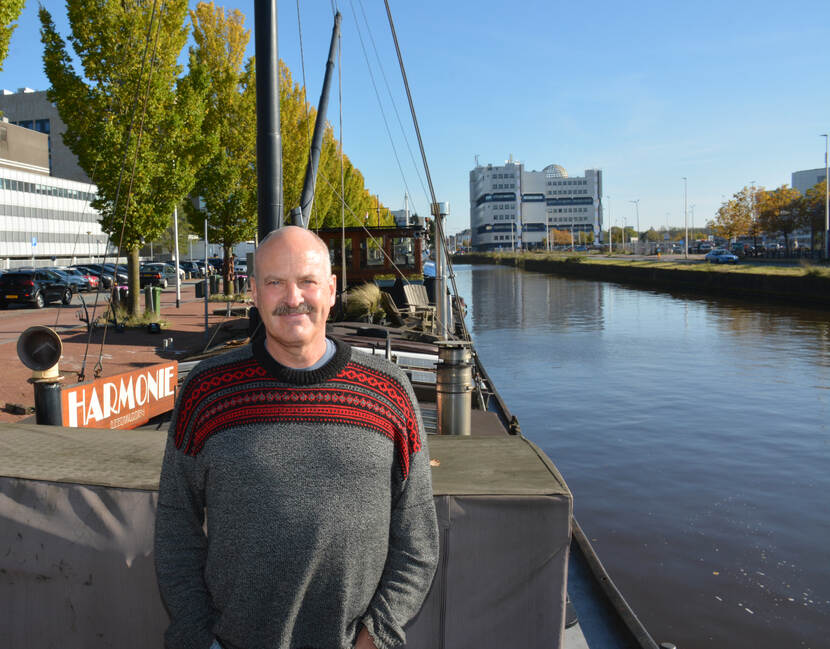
<point x="308" y="461"/>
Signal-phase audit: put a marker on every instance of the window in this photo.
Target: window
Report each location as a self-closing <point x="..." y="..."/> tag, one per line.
<point x="334" y="254"/>
<point x="372" y="253"/>
<point x="403" y="251"/>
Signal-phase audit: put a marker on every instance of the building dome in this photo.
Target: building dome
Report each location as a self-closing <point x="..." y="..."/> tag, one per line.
<point x="555" y="171"/>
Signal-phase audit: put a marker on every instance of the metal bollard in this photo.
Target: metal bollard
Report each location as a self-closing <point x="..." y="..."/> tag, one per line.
<point x="454" y="378"/>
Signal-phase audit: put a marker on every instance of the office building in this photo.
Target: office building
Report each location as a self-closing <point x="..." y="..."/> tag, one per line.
<point x="804" y="180"/>
<point x="511" y="207"/>
<point x="31" y="109"/>
<point x="42" y="218"/>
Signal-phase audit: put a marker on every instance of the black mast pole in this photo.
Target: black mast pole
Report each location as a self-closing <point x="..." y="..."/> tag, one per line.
<point x="307" y="198"/>
<point x="268" y="144"/>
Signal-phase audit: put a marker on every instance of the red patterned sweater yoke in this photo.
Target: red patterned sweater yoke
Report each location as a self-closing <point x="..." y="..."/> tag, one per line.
<point x="245" y="393"/>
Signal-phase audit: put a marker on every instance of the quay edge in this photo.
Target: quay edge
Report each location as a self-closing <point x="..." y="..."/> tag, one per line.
<point x="806" y="290"/>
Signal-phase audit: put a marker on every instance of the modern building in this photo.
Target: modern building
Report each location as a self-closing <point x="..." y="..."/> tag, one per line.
<point x="511" y="207"/>
<point x="43" y="219"/>
<point x="804" y="180"/>
<point x="31" y="109"/>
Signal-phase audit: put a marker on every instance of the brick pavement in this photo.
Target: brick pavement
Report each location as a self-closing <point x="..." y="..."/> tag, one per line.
<point x="122" y="352"/>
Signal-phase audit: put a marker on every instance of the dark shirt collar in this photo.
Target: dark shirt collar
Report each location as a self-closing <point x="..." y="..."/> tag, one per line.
<point x="284" y="374"/>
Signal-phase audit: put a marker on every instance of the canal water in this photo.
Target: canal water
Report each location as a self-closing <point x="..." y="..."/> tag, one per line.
<point x="693" y="433"/>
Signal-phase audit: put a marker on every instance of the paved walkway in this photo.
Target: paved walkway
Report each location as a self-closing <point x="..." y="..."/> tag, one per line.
<point x="122" y="352"/>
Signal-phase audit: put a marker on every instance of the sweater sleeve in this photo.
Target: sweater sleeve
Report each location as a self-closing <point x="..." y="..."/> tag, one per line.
<point x="412" y="556"/>
<point x="181" y="551"/>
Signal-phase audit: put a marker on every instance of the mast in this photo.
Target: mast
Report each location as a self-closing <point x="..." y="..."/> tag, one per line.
<point x="268" y="143"/>
<point x="307" y="198"/>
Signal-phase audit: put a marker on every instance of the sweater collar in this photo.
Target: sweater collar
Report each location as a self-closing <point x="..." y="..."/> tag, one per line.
<point x="342" y="354"/>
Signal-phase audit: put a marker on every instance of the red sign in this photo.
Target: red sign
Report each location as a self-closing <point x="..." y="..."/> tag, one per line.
<point x="122" y="401"/>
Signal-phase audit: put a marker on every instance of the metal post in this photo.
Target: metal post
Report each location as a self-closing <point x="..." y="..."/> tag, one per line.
<point x="454" y="387"/>
<point x="268" y="143"/>
<point x="685" y="220"/>
<point x="48" y="408"/>
<point x="207" y="279"/>
<point x="176" y="255"/>
<point x="826" y="199"/>
<point x="440" y="210"/>
<point x="610" y="227"/>
<point x="636" y="202"/>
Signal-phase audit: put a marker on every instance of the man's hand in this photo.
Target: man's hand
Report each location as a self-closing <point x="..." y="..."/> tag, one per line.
<point x="364" y="640"/>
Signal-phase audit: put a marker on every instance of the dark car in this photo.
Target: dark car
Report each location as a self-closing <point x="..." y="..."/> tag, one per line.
<point x="191" y="267"/>
<point x="107" y="271"/>
<point x="79" y="283"/>
<point x="104" y="281"/>
<point x="35" y="287"/>
<point x="157" y="274"/>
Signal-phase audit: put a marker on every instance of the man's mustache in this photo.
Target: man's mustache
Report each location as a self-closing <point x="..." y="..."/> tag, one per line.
<point x="284" y="309"/>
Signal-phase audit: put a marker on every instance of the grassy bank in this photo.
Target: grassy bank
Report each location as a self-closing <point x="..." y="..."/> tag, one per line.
<point x="805" y="284"/>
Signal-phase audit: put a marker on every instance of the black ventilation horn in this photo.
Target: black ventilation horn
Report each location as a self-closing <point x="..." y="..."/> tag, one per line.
<point x="39" y="349"/>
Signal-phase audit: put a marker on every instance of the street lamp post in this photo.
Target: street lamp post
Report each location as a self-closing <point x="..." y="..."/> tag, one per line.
<point x="636" y="202"/>
<point x="610" y="230"/>
<point x="692" y="210"/>
<point x="826" y="197"/>
<point x="685" y="220"/>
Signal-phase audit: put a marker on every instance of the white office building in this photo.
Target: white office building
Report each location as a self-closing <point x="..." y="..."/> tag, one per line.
<point x="511" y="207"/>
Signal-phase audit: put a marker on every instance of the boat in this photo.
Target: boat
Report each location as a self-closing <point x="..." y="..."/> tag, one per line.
<point x="78" y="506"/>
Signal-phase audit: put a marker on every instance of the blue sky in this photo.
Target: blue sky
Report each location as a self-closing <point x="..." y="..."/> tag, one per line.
<point x="721" y="93"/>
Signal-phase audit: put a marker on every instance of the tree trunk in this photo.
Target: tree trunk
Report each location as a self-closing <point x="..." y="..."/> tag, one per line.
<point x="227" y="270"/>
<point x="134" y="301"/>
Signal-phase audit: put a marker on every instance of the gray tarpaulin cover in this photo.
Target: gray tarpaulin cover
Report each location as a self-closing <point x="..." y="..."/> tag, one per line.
<point x="76" y="536"/>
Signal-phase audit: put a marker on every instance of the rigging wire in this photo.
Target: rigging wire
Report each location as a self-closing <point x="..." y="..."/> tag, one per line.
<point x="98" y="369"/>
<point x="377" y="96"/>
<point x="342" y="176"/>
<point x="439" y="228"/>
<point x="394" y="106"/>
<point x="305" y="100"/>
<point x="98" y="366"/>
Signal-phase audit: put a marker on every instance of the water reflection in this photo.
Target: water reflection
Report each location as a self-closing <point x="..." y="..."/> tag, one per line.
<point x="505" y="299"/>
<point x="693" y="432"/>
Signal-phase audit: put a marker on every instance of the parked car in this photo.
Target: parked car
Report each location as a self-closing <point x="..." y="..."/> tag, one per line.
<point x="90" y="280"/>
<point x="102" y="280"/>
<point x="36" y="287"/>
<point x="107" y="271"/>
<point x="240" y="267"/>
<point x="721" y="256"/>
<point x="78" y="283"/>
<point x="192" y="267"/>
<point x="157" y="274"/>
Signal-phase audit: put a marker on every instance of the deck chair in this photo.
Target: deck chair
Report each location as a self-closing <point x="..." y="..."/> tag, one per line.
<point x="417" y="303"/>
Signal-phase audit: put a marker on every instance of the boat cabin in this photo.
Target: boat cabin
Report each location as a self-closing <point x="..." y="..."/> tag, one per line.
<point x="376" y="252"/>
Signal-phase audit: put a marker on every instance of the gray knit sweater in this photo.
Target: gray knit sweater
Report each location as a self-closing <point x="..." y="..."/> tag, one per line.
<point x="316" y="493"/>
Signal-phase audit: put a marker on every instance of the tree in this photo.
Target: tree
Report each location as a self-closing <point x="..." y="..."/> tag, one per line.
<point x="561" y="237"/>
<point x="132" y="120"/>
<point x="227" y="183"/>
<point x="652" y="235"/>
<point x="781" y="210"/>
<point x="815" y="207"/>
<point x="9" y="13"/>
<point x="736" y="217"/>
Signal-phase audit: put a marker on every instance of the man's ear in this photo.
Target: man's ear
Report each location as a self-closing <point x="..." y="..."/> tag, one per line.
<point x="333" y="287"/>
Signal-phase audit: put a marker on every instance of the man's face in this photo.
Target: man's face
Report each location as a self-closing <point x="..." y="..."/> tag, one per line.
<point x="293" y="292"/>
